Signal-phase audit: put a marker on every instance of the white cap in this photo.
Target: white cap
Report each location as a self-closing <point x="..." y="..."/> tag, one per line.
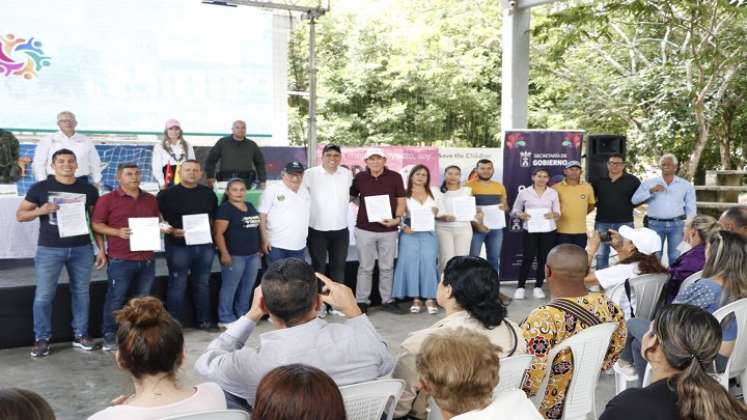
<point x="645" y="240"/>
<point x="374" y="151"/>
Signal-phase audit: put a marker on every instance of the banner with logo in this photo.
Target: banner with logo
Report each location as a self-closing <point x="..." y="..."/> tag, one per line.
<point x="466" y="159"/>
<point x="523" y="151"/>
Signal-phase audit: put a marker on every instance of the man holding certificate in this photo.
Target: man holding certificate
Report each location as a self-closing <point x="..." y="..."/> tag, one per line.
<point x="61" y="203"/>
<point x="381" y="196"/>
<point x="128" y="216"/>
<point x="490" y="197"/>
<point x="188" y="208"/>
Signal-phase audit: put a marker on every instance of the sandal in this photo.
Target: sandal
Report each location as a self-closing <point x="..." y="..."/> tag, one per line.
<point x="432" y="308"/>
<point x="416" y="307"/>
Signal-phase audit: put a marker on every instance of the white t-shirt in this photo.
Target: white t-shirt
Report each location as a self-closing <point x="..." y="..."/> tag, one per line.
<point x="288" y="214"/>
<point x="508" y="405"/>
<point x="614" y="275"/>
<point x="207" y="396"/>
<point x="442" y="202"/>
<point x="330" y="195"/>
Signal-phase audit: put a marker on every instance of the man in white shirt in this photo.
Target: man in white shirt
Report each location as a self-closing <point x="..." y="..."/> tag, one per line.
<point x="349" y="352"/>
<point x="89" y="162"/>
<point x="329" y="187"/>
<point x="284" y="216"/>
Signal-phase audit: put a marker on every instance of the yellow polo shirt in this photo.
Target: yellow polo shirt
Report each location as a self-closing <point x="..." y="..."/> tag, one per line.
<point x="575" y="201"/>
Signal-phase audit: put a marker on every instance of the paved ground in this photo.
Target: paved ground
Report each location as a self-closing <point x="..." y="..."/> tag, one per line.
<point x="78" y="383"/>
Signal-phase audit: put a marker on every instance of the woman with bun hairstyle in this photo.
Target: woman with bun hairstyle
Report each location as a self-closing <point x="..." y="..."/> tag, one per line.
<point x="680" y="346"/>
<point x="151" y="349"/>
<point x="298" y="392"/>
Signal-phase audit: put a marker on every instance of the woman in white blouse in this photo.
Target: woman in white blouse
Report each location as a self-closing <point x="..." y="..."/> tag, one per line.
<point x="170" y="154"/>
<point x="454" y="237"/>
<point x="416" y="274"/>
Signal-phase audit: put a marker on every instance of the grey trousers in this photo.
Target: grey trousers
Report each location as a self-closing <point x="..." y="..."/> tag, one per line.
<point x="374" y="246"/>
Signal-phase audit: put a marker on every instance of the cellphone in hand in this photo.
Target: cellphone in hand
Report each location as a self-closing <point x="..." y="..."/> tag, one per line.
<point x="605" y="236"/>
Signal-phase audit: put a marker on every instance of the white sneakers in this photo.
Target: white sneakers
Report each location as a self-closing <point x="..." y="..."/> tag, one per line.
<point x="520" y="293"/>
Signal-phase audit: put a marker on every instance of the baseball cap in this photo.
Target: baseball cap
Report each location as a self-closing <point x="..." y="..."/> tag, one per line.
<point x="572" y="163"/>
<point x="172" y="123"/>
<point x="645" y="240"/>
<point x="331" y="146"/>
<point x="374" y="151"/>
<point x="294" y="167"/>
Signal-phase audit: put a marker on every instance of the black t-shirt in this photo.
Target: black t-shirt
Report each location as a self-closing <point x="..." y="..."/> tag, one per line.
<point x="177" y="201"/>
<point x="242" y="234"/>
<point x="39" y="194"/>
<point x="613" y="198"/>
<point x="657" y="401"/>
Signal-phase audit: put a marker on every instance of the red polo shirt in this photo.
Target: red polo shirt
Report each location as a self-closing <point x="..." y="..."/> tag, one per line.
<point x="114" y="209"/>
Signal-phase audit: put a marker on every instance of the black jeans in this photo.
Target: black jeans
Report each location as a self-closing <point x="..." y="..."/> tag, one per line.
<point x="579" y="239"/>
<point x="535" y="245"/>
<point x="332" y="243"/>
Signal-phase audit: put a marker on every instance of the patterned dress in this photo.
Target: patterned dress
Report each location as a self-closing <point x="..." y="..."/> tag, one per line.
<point x="547" y="326"/>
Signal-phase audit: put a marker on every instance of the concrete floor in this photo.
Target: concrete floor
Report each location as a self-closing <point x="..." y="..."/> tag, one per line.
<point x="78" y="383"/>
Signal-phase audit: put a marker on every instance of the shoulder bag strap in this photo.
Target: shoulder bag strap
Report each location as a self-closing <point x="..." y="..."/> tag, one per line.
<point x="629" y="294"/>
<point x="516" y="339"/>
<point x="576" y="310"/>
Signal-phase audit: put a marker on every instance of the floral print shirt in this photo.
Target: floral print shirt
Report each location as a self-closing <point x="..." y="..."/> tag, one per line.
<point x="547" y="326"/>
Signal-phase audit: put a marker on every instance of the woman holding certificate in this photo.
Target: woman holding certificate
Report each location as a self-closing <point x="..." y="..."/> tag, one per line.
<point x="456" y="209"/>
<point x="539" y="207"/>
<point x="416" y="274"/>
<point x="237" y="237"/>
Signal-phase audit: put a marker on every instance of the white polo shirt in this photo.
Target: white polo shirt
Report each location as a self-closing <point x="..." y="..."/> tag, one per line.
<point x="89" y="162"/>
<point x="287" y="215"/>
<point x="330" y="195"/>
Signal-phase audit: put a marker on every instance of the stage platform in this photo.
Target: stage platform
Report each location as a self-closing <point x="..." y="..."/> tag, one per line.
<point x="17" y="285"/>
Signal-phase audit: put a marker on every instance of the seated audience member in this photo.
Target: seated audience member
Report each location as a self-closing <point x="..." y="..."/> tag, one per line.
<point x="469" y="293"/>
<point x="21" y="404"/>
<point x="349" y="352"/>
<point x="636" y="253"/>
<point x="690" y="262"/>
<point x="298" y="392"/>
<point x="735" y="220"/>
<point x="680" y="347"/>
<point x="724" y="281"/>
<point x="460" y="368"/>
<point x="151" y="349"/>
<point x="572" y="310"/>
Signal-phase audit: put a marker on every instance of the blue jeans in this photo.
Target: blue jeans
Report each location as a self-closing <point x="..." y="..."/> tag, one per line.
<point x="193" y="263"/>
<point x="48" y="265"/>
<point x="237" y="283"/>
<point x="280" y="253"/>
<point x="603" y="256"/>
<point x="493" y="243"/>
<point x="631" y="353"/>
<point x="673" y="232"/>
<point x="125" y="277"/>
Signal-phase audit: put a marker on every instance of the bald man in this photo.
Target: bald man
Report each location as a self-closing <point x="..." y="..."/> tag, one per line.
<point x="735" y="220"/>
<point x="239" y="157"/>
<point x="573" y="309"/>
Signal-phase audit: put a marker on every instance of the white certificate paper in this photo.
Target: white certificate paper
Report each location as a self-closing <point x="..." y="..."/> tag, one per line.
<point x="196" y="229"/>
<point x="493" y="217"/>
<point x="378" y="208"/>
<point x="71" y="214"/>
<point x="422" y="220"/>
<point x="537" y="221"/>
<point x="462" y="208"/>
<point x="146" y="234"/>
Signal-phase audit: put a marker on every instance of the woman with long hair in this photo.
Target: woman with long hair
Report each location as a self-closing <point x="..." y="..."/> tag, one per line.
<point x="298" y="392"/>
<point x="169" y="154"/>
<point x="697" y="232"/>
<point x="454" y="237"/>
<point x="237" y="236"/>
<point x="469" y="293"/>
<point x="151" y="350"/>
<point x="22" y="404"/>
<point x="680" y="346"/>
<point x="416" y="274"/>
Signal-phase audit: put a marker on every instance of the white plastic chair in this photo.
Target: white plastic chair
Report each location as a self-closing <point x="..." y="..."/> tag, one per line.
<point x="369" y="400"/>
<point x="212" y="415"/>
<point x="645" y="289"/>
<point x="692" y="278"/>
<point x="737" y="364"/>
<point x="511" y="376"/>
<point x="623" y="381"/>
<point x="589" y="348"/>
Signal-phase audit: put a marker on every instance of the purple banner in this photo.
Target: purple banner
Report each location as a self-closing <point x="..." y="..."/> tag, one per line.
<point x="524" y="150"/>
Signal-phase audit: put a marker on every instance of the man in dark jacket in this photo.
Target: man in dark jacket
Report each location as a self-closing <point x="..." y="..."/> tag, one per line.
<point x="239" y="158"/>
<point x="8" y="157"/>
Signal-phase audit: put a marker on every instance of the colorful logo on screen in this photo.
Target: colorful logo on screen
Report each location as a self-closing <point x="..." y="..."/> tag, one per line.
<point x="573" y="139"/>
<point x="515" y="139"/>
<point x="21" y="57"/>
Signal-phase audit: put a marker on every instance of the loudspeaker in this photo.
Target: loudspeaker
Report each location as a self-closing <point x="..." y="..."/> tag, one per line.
<point x="598" y="149"/>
